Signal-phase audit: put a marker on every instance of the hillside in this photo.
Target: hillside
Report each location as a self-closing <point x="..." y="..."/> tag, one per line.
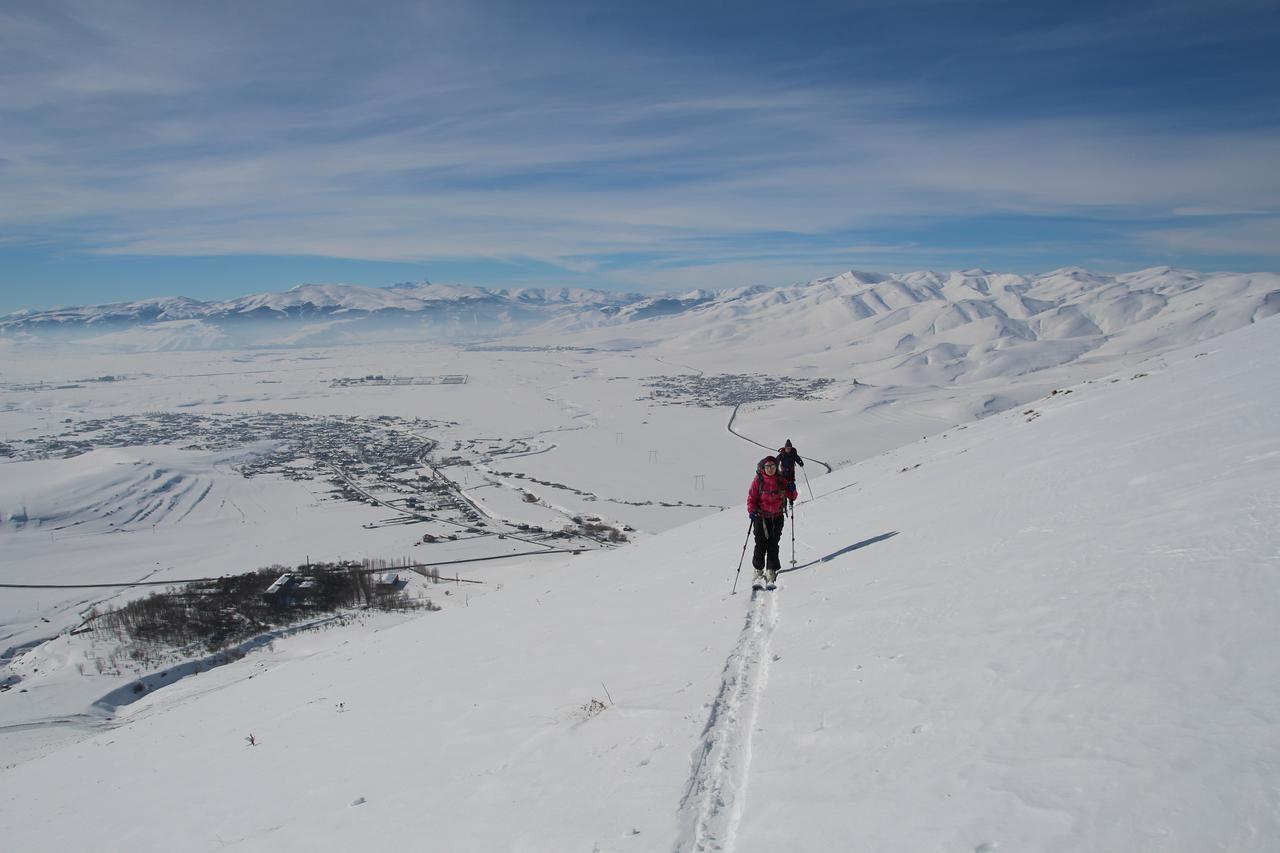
<point x="930" y="328"/>
<point x="1050" y="630"/>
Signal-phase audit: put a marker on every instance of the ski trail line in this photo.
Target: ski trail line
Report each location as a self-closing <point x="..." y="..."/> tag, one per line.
<point x="715" y="795"/>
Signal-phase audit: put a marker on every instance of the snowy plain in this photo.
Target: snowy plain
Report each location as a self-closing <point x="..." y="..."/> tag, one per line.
<point x="1053" y="628"/>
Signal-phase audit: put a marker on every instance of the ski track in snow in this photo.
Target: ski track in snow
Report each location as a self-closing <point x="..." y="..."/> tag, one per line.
<point x="715" y="796"/>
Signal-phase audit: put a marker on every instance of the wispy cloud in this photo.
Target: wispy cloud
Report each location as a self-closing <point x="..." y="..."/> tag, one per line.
<point x="1250" y="237"/>
<point x="433" y="131"/>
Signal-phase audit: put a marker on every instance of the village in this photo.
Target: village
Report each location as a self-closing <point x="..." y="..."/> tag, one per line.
<point x="731" y="389"/>
<point x="383" y="460"/>
<point x="381" y="379"/>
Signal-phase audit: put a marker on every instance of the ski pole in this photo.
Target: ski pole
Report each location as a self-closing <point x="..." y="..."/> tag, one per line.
<point x="743" y="557"/>
<point x="806" y="482"/>
<point x="771" y="555"/>
<point x="792" y="534"/>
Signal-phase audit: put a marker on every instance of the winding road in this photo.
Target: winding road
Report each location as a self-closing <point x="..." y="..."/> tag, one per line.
<point x="729" y="427"/>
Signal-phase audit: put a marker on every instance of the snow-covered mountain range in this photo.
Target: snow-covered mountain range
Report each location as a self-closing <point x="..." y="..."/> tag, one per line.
<point x="928" y="328"/>
<point x="309" y="314"/>
<point x="934" y="319"/>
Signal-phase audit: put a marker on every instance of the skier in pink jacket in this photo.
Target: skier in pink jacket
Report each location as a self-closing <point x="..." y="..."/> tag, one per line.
<point x="767" y="505"/>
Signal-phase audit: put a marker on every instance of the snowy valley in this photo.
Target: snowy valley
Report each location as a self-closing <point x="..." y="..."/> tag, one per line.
<point x="1030" y="599"/>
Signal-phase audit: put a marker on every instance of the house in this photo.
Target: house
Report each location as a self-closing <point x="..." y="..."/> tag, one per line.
<point x="280" y="593"/>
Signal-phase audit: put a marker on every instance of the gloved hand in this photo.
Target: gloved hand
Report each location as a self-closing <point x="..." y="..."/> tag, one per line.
<point x="752" y="515"/>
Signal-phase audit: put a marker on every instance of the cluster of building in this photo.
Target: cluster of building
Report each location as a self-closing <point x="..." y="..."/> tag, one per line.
<point x="356" y="440"/>
<point x="381" y="379"/>
<point x="732" y="389"/>
<point x="380" y="460"/>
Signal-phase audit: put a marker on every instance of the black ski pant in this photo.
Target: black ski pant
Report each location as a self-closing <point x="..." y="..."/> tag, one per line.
<point x="768" y="531"/>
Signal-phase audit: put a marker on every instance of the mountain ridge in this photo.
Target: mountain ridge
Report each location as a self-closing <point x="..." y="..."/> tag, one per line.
<point x="872" y="315"/>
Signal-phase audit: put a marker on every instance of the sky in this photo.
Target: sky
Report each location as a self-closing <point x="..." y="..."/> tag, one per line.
<point x="212" y="150"/>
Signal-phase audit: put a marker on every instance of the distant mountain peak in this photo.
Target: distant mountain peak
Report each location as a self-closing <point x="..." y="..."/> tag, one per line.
<point x="865" y="315"/>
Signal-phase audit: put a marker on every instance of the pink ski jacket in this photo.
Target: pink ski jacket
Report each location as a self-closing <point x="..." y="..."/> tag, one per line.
<point x="768" y="495"/>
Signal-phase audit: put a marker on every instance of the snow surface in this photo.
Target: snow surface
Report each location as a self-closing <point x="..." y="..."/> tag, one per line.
<point x="1052" y="629"/>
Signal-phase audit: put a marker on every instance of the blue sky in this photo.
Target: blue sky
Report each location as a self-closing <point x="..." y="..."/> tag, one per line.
<point x="216" y="149"/>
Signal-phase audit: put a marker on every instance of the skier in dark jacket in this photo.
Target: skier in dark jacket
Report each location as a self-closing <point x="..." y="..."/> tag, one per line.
<point x="788" y="459"/>
<point x="766" y="504"/>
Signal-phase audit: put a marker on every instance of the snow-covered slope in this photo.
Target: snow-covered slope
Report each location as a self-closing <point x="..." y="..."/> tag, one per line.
<point x="114" y="489"/>
<point x="1051" y="630"/>
<point x="925" y="328"/>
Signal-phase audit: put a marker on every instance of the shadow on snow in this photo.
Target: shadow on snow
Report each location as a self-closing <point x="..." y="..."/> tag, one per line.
<point x="854" y="547"/>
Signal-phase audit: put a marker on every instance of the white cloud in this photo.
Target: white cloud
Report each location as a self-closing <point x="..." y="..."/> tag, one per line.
<point x="1259" y="237"/>
<point x="1215" y="211"/>
<point x="438" y="131"/>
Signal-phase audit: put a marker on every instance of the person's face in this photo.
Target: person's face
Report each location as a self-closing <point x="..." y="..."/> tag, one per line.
<point x="769" y="467"/>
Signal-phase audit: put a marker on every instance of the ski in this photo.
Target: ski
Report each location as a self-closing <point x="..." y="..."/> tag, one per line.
<point x="763" y="584"/>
